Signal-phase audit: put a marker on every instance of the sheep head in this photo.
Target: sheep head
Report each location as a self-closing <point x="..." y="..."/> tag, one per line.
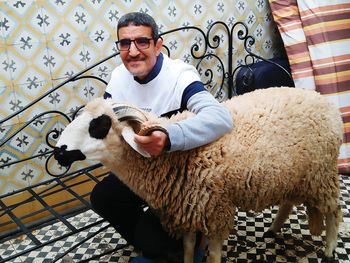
<point x="100" y="127"/>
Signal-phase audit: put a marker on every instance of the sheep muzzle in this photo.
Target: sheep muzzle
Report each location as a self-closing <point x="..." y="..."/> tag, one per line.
<point x="66" y="158"/>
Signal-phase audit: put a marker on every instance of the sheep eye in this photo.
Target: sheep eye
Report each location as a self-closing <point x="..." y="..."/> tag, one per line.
<point x="100" y="126"/>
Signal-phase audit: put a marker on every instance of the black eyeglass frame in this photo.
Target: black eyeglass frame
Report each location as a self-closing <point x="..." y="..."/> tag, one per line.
<point x="148" y="42"/>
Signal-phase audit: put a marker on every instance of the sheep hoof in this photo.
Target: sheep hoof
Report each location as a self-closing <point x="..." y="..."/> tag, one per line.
<point x="330" y="259"/>
<point x="269" y="234"/>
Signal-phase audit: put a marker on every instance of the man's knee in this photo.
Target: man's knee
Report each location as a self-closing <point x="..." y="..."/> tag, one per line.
<point x="105" y="192"/>
<point x="97" y="197"/>
<point x="110" y="196"/>
<point x="152" y="239"/>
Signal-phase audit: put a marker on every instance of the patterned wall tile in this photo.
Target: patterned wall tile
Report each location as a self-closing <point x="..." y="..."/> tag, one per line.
<point x="241" y="6"/>
<point x="20" y="60"/>
<point x="76" y="93"/>
<point x="64" y="58"/>
<point x="3" y="65"/>
<point x="8" y="66"/>
<point x="6" y="173"/>
<point x="20" y="7"/>
<point x="27" y="92"/>
<point x="25" y="175"/>
<point x="32" y="78"/>
<point x="44" y="42"/>
<point x="13" y="151"/>
<point x="8" y="22"/>
<point x="8" y="105"/>
<point x="61" y="7"/>
<point x="2" y="38"/>
<point x="26" y="32"/>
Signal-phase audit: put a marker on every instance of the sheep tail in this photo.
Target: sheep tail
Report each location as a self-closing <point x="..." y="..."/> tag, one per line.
<point x="316" y="222"/>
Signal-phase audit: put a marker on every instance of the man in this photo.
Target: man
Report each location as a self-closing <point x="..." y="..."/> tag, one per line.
<point x="155" y="83"/>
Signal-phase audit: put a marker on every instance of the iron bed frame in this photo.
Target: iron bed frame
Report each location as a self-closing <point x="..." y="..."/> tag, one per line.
<point x="61" y="182"/>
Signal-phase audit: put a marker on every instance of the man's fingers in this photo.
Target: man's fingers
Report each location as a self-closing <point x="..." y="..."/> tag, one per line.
<point x="142" y="139"/>
<point x="153" y="143"/>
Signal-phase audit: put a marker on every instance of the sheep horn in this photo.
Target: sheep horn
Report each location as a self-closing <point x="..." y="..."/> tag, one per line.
<point x="129" y="113"/>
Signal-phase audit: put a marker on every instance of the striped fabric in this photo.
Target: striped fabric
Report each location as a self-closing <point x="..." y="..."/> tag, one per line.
<point x="327" y="29"/>
<point x="316" y="35"/>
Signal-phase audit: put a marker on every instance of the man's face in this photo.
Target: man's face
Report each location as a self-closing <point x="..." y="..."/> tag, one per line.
<point x="139" y="61"/>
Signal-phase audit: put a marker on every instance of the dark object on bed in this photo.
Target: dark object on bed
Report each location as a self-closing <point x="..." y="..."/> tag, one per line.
<point x="263" y="75"/>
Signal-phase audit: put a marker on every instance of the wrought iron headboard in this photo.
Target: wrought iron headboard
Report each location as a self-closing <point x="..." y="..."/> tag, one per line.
<point x="203" y="49"/>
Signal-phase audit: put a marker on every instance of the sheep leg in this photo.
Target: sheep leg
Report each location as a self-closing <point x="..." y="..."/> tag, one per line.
<point x="282" y="215"/>
<point x="214" y="249"/>
<point x="332" y="225"/>
<point x="316" y="224"/>
<point x="189" y="241"/>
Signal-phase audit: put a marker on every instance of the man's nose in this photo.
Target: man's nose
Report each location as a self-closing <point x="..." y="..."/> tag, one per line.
<point x="133" y="50"/>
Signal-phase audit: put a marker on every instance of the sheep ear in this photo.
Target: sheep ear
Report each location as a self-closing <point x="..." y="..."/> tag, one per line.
<point x="128" y="135"/>
<point x="99" y="127"/>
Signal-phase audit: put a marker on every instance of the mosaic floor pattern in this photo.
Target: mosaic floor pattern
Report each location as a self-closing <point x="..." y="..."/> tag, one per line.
<point x="246" y="244"/>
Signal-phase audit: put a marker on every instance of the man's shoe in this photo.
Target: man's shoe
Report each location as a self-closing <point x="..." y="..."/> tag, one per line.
<point x="177" y="257"/>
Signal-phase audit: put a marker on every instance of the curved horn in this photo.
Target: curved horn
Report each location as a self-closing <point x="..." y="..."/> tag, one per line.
<point x="126" y="112"/>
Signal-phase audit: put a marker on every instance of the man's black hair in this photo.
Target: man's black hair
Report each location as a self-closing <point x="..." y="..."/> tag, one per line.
<point x="139" y="19"/>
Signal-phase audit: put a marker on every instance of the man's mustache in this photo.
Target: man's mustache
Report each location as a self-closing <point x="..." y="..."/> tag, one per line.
<point x="139" y="58"/>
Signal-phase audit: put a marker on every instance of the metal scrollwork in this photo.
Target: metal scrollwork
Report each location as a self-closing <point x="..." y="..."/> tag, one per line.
<point x="54" y="133"/>
<point x="194" y="48"/>
<point x="209" y="50"/>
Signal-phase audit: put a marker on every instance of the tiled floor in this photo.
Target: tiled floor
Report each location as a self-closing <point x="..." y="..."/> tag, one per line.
<point x="294" y="244"/>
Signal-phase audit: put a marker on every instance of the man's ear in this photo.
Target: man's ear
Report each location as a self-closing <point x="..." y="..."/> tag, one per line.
<point x="159" y="45"/>
<point x="128" y="135"/>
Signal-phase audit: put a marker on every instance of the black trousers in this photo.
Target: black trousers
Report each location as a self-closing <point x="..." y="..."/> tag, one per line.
<point x="123" y="209"/>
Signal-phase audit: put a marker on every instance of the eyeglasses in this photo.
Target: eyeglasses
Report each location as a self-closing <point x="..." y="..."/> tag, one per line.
<point x="140" y="43"/>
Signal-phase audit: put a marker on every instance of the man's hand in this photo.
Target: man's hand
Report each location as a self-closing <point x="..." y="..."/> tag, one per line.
<point x="154" y="143"/>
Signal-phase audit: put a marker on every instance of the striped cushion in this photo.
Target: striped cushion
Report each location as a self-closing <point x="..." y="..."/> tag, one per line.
<point x="316" y="36"/>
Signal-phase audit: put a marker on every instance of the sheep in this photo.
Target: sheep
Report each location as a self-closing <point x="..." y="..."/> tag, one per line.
<point x="281" y="152"/>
